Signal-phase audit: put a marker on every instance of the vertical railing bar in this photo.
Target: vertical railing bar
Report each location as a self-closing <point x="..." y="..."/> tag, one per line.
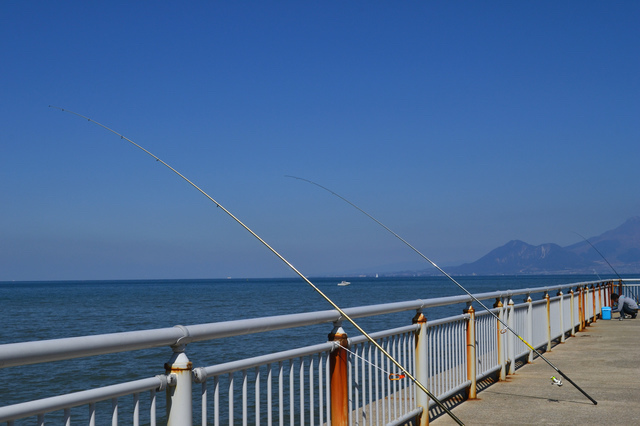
<point x="440" y="348"/>
<point x="434" y="360"/>
<point x="280" y="393"/>
<point x="449" y="356"/>
<point x="292" y="404"/>
<point x="455" y="358"/>
<point x="408" y="389"/>
<point x="446" y="360"/>
<point x="136" y="409"/>
<point x="431" y="360"/>
<point x="444" y="354"/>
<point x="152" y="408"/>
<point x="396" y="391"/>
<point x="327" y="386"/>
<point x="412" y="389"/>
<point x="403" y="340"/>
<point x="301" y="392"/>
<point x="454" y="355"/>
<point x="269" y="394"/>
<point x="216" y="400"/>
<point x="365" y="382"/>
<point x="244" y="398"/>
<point x="204" y="399"/>
<point x="379" y="398"/>
<point x="40" y="419"/>
<point x="370" y="384"/>
<point x="92" y="414"/>
<point x="463" y="349"/>
<point x="114" y="412"/>
<point x="320" y="390"/>
<point x="458" y="356"/>
<point x="67" y="417"/>
<point x="350" y="361"/>
<point x="400" y="392"/>
<point x="387" y="383"/>
<point x="356" y="384"/>
<point x="257" y="396"/>
<point x="368" y="380"/>
<point x="312" y="396"/>
<point x="230" y="393"/>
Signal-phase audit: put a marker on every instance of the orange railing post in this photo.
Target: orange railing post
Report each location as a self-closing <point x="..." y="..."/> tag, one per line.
<point x="338" y="365"/>
<point x="561" y="314"/>
<point x="422" y="367"/>
<point x="500" y="349"/>
<point x="580" y="308"/>
<point x="548" y="299"/>
<point x="593" y="301"/>
<point x="471" y="350"/>
<point x="600" y="290"/>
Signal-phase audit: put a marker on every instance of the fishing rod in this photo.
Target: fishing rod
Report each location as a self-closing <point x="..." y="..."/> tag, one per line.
<point x="456" y="283"/>
<point x="293" y="268"/>
<point x="605" y="259"/>
<point x="601" y="255"/>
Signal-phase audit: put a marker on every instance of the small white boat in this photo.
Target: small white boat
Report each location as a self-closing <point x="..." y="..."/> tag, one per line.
<point x="343" y="283"/>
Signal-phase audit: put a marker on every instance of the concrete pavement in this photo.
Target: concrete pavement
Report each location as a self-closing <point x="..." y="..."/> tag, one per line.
<point x="603" y="359"/>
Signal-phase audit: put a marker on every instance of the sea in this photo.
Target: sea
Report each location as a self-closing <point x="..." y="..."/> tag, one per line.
<point x="58" y="309"/>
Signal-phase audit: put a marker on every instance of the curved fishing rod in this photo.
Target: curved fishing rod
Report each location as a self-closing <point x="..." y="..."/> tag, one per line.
<point x="293" y="268"/>
<point x="456" y="283"/>
<point x="601" y="255"/>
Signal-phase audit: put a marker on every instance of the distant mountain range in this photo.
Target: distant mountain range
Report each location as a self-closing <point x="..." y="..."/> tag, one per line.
<point x="620" y="247"/>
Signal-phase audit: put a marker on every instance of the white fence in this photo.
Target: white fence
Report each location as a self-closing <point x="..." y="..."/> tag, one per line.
<point x="344" y="381"/>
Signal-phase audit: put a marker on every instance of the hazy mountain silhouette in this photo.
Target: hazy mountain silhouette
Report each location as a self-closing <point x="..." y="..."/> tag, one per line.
<point x="620" y="247"/>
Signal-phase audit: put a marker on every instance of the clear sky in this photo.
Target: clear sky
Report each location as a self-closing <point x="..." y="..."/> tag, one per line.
<point x="461" y="125"/>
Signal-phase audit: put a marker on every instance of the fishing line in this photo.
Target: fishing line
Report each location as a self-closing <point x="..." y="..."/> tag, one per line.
<point x="304" y="278"/>
<point x="601" y="255"/>
<point x="456" y="283"/>
<point x="392" y="376"/>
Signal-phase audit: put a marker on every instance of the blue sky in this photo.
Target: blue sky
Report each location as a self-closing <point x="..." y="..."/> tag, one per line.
<point x="460" y="125"/>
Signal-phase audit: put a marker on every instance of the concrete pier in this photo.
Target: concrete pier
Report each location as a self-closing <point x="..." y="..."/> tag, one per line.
<point x="604" y="360"/>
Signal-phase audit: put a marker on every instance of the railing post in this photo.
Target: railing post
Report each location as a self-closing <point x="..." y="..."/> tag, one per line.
<point x="580" y="308"/>
<point x="561" y="312"/>
<point x="500" y="349"/>
<point x="338" y="365"/>
<point x="593" y="298"/>
<point x="529" y="302"/>
<point x="511" y="343"/>
<point x="471" y="350"/>
<point x="179" y="405"/>
<point x="422" y="367"/>
<point x="573" y="313"/>
<point x="548" y="299"/>
<point x="600" y="291"/>
<point x="586" y="304"/>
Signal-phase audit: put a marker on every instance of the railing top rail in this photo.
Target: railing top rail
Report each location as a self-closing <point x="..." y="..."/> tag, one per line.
<point x="202" y="373"/>
<point x="33" y="352"/>
<point x="17" y="411"/>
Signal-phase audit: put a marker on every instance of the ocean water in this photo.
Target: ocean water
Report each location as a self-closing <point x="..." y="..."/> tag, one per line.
<point x="50" y="310"/>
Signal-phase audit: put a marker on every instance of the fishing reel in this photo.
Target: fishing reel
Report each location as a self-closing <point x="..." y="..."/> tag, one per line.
<point x="555" y="381"/>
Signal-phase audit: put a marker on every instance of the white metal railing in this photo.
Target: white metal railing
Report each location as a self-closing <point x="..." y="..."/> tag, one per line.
<point x="630" y="288"/>
<point x="298" y="386"/>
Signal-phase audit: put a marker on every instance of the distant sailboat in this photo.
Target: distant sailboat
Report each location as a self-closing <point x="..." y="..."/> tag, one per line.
<point x="343" y="283"/>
